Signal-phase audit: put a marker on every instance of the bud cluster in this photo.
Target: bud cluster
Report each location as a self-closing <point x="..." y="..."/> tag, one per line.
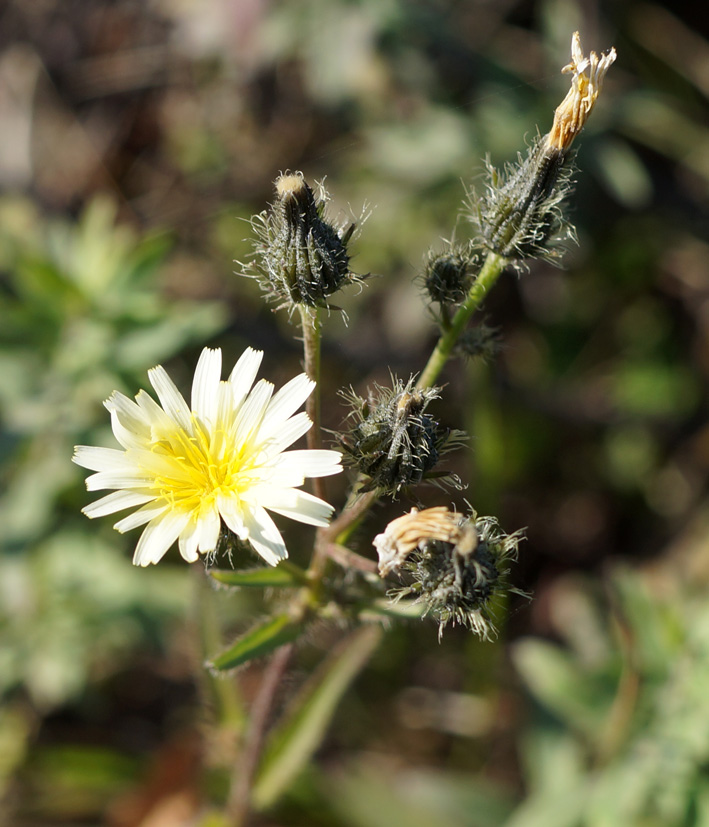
<point x="393" y="441"/>
<point x="300" y="258"/>
<point x="453" y="564"/>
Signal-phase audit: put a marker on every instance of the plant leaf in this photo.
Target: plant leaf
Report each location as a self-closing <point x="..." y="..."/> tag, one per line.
<point x="259" y="641"/>
<point x="262" y="578"/>
<point x="300" y="733"/>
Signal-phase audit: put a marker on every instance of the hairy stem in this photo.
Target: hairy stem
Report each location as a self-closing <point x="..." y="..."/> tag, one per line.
<point x="239" y="803"/>
<point x="490" y="272"/>
<point x="312" y="334"/>
<point x="357" y="506"/>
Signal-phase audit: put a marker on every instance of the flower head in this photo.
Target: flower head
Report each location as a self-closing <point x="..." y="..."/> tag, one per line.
<point x="519" y="215"/>
<point x="222" y="460"/>
<point x="394" y="441"/>
<point x="454" y="565"/>
<point x="300" y="256"/>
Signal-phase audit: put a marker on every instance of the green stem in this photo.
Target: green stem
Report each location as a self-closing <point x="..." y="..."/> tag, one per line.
<point x="355" y="509"/>
<point x="490" y="272"/>
<point x="312" y="334"/>
<point x="223" y="696"/>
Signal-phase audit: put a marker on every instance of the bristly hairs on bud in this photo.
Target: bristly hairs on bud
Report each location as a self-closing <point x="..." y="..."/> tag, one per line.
<point x="448" y="274"/>
<point x="393" y="441"/>
<point x="299" y="256"/>
<point x="456" y="566"/>
<point x="519" y="214"/>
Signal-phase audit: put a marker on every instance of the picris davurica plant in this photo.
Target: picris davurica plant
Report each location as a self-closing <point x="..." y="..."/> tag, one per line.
<point x="453" y="564"/>
<point x="518" y="216"/>
<point x="300" y="258"/>
<point x="393" y="441"/>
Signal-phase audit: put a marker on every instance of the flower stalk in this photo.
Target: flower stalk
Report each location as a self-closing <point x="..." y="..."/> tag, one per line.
<point x="491" y="270"/>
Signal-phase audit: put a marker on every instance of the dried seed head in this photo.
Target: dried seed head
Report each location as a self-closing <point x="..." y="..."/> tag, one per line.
<point x="393" y="441"/>
<point x="453" y="564"/>
<point x="300" y="258"/>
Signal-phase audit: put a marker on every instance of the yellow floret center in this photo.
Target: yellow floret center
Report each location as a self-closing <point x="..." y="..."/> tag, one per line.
<point x="196" y="468"/>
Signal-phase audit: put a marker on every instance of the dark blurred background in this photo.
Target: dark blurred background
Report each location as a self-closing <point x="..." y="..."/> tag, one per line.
<point x="137" y="140"/>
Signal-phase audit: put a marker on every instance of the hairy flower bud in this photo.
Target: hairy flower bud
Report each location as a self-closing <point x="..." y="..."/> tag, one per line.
<point x="453" y="564"/>
<point x="394" y="442"/>
<point x="519" y="214"/>
<point x="449" y="275"/>
<point x="300" y="257"/>
<point x="479" y="342"/>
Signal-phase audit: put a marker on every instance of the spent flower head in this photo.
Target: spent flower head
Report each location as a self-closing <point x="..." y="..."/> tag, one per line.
<point x="394" y="441"/>
<point x="454" y="565"/>
<point x="587" y="74"/>
<point x="300" y="257"/>
<point x="187" y="468"/>
<point x="519" y="214"/>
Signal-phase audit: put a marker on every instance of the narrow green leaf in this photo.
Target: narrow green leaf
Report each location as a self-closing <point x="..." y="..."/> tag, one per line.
<point x="259" y="641"/>
<point x="300" y="733"/>
<point x="403" y="610"/>
<point x="575" y="695"/>
<point x="270" y="578"/>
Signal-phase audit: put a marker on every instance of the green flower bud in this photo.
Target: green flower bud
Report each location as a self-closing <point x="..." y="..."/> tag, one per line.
<point x="300" y="257"/>
<point x="479" y="342"/>
<point x="394" y="442"/>
<point x="449" y="275"/>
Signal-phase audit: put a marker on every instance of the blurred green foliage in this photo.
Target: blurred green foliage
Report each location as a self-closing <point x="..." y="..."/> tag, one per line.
<point x="138" y="136"/>
<point x="82" y="312"/>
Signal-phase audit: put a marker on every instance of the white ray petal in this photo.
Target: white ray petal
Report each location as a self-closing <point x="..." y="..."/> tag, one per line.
<point x="244" y="373"/>
<point x="285" y="403"/>
<point x="210" y="526"/>
<point x="264" y="536"/>
<point x="118" y="479"/>
<point x="101" y="459"/>
<point x="288" y="433"/>
<point x="158" y="536"/>
<point x="172" y="401"/>
<point x="232" y="514"/>
<point x="189" y="542"/>
<point x="306" y="509"/>
<point x="251" y="413"/>
<point x="311" y="463"/>
<point x="205" y="385"/>
<point x="129" y="423"/>
<point x="159" y="421"/>
<point x="116" y="501"/>
<point x="143" y="515"/>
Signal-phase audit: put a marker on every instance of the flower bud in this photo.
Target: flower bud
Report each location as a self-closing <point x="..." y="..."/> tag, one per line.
<point x="394" y="442"/>
<point x="453" y="564"/>
<point x="479" y="342"/>
<point x="449" y="275"/>
<point x="300" y="257"/>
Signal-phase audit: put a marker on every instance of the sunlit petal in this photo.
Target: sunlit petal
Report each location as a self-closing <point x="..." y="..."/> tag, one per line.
<point x="189" y="473"/>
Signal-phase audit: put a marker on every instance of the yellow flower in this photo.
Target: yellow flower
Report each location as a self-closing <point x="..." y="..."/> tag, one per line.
<point x="222" y="460"/>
